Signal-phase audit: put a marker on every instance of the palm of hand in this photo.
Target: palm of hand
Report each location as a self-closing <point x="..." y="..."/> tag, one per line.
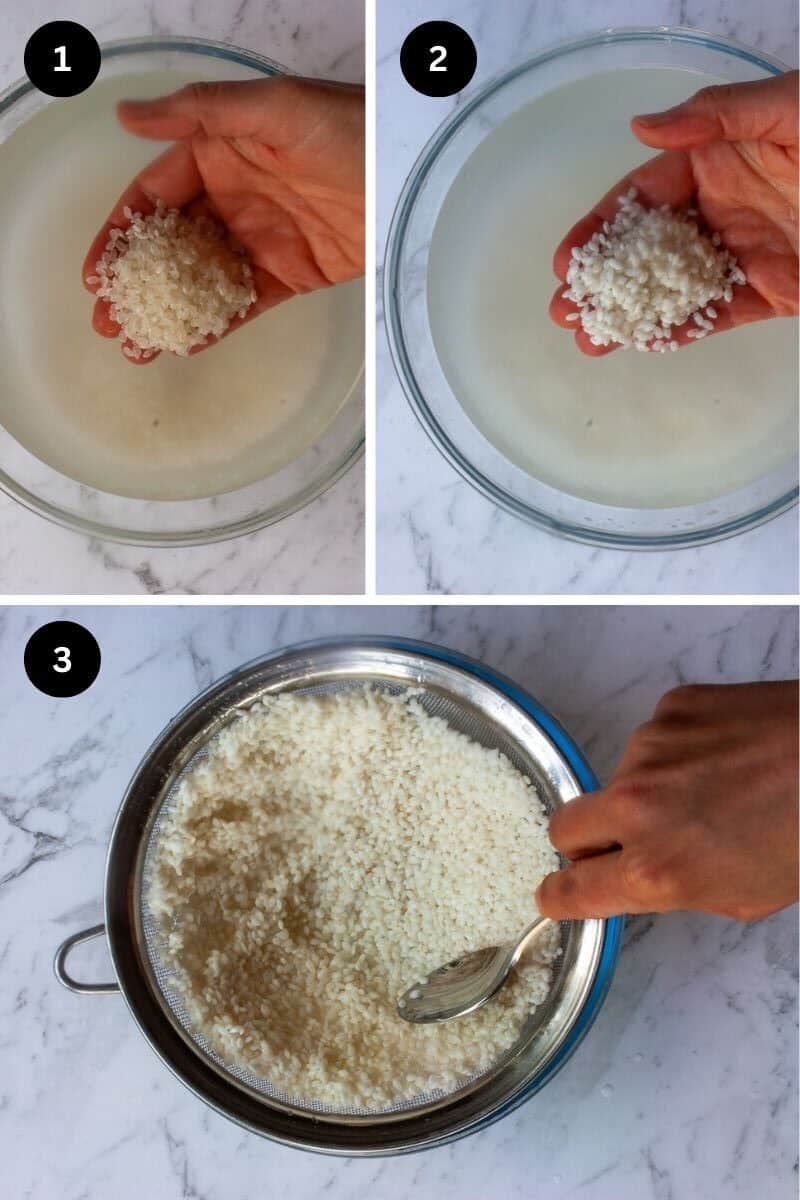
<point x="301" y="229"/>
<point x="747" y="192"/>
<point x="282" y="171"/>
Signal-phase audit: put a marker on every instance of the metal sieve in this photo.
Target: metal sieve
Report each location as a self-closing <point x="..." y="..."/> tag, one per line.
<point x="473" y="700"/>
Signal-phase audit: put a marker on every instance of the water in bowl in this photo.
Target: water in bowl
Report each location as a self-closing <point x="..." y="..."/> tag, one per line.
<point x="630" y="429"/>
<point x="178" y="428"/>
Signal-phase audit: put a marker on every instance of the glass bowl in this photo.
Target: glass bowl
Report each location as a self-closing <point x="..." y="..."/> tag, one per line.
<point x="408" y="320"/>
<point x="46" y="491"/>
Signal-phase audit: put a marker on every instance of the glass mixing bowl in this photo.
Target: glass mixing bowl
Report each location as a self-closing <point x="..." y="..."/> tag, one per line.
<point x="408" y="324"/>
<point x="46" y="491"/>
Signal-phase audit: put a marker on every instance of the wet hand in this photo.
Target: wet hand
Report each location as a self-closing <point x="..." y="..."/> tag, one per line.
<point x="731" y="152"/>
<point x="279" y="162"/>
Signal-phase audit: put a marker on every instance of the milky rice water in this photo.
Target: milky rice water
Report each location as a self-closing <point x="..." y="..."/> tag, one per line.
<point x="638" y="430"/>
<point x="177" y="428"/>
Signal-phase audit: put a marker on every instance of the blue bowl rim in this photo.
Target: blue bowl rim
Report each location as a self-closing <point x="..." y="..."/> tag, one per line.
<point x="614" y="926"/>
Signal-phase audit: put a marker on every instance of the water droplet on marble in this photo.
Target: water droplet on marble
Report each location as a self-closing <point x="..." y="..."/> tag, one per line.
<point x="607" y="1090"/>
<point x="638" y="1058"/>
<point x="557" y="1178"/>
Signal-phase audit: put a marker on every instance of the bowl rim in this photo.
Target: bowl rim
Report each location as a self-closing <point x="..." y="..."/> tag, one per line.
<point x="395" y="334"/>
<point x="238" y="527"/>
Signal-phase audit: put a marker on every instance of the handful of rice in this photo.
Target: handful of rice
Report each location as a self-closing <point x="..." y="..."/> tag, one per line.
<point x="172" y="281"/>
<point x="647" y="272"/>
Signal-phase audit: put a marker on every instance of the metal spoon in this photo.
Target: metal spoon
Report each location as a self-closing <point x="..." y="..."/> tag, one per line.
<point x="466" y="983"/>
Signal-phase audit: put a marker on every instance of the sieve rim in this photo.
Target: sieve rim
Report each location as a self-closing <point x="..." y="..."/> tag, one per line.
<point x="382" y="1133"/>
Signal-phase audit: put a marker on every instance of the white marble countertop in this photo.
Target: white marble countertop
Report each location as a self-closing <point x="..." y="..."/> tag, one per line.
<point x="435" y="532"/>
<point x="318" y="550"/>
<point x="684" y="1088"/>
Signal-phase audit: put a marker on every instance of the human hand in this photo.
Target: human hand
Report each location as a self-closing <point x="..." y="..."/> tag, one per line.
<point x="279" y="162"/>
<point x="701" y="813"/>
<point x="731" y="151"/>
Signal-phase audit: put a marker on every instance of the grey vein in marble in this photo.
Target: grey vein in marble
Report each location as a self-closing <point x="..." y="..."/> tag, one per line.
<point x="686" y="1085"/>
<point x="435" y="533"/>
<point x="318" y="550"/>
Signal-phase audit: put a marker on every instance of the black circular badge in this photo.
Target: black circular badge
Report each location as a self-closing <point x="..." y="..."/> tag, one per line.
<point x="62" y="659"/>
<point x="438" y="58"/>
<point x="62" y="58"/>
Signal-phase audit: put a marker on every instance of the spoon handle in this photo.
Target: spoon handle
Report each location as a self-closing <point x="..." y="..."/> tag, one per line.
<point x="527" y="938"/>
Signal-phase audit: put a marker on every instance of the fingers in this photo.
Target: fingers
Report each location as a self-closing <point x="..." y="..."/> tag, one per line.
<point x="102" y="320"/>
<point x="665" y="179"/>
<point x="103" y="324"/>
<point x="270" y="291"/>
<point x="690" y="703"/>
<point x="277" y="111"/>
<point x="586" y="825"/>
<point x="764" y="108"/>
<point x="746" y="307"/>
<point x="566" y="314"/>
<point x="319" y="125"/>
<point x="216" y="109"/>
<point x="593" y="887"/>
<point x="604" y="885"/>
<point x="172" y="177"/>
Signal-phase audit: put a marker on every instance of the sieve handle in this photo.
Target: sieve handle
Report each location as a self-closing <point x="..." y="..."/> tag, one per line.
<point x="60" y="965"/>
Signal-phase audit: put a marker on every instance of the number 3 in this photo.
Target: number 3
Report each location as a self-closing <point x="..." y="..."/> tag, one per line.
<point x="436" y="62"/>
<point x="63" y="661"/>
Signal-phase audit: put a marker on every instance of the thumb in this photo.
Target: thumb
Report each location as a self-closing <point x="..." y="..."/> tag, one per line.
<point x="764" y="108"/>
<point x="261" y="108"/>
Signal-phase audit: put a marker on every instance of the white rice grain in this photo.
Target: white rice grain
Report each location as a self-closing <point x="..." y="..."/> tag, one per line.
<point x="649" y="272"/>
<point x="172" y="281"/>
<point x="328" y="852"/>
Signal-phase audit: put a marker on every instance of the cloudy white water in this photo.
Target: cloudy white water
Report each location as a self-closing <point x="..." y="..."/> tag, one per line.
<point x="178" y="428"/>
<point x="630" y="429"/>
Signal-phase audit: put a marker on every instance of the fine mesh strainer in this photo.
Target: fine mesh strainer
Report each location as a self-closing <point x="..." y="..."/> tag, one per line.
<point x="473" y="700"/>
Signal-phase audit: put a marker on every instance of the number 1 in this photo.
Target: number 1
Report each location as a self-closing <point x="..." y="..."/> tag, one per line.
<point x="436" y="62"/>
<point x="61" y="54"/>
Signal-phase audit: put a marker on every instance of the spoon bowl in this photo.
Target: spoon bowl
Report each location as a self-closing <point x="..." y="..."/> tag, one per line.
<point x="465" y="983"/>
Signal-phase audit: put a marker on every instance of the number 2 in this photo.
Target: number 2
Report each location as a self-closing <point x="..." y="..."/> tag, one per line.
<point x="439" y="55"/>
<point x="63" y="661"/>
<point x="61" y="54"/>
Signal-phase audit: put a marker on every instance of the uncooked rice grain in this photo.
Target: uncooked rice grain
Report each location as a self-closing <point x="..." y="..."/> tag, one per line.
<point x="172" y="281"/>
<point x="647" y="273"/>
<point x="328" y="853"/>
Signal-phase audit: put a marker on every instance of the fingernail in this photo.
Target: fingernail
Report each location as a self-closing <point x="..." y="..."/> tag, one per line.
<point x="659" y="118"/>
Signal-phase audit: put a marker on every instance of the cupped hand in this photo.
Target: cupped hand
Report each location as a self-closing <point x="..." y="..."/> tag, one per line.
<point x="279" y="162"/>
<point x="731" y="151"/>
<point x="701" y="813"/>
